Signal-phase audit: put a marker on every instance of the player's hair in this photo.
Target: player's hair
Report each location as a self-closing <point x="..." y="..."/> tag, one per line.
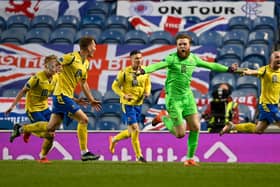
<point x="183" y="36"/>
<point x="85" y="41"/>
<point x="50" y="58"/>
<point x="134" y="52"/>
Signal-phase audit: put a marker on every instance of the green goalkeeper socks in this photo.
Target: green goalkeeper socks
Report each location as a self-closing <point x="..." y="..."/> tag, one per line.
<point x="192" y="143"/>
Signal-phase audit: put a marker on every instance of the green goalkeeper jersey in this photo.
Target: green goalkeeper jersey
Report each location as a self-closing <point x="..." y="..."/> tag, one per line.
<point x="179" y="72"/>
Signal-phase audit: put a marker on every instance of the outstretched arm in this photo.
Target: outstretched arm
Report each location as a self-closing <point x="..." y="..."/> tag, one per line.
<point x="21" y="93"/>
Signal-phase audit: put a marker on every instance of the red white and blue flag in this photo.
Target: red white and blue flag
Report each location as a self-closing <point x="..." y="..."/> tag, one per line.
<point x="175" y="24"/>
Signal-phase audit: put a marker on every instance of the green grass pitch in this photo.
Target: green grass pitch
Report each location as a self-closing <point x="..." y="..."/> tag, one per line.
<point x="118" y="174"/>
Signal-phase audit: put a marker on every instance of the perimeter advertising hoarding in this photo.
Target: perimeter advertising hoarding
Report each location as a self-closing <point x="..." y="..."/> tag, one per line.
<point x="156" y="146"/>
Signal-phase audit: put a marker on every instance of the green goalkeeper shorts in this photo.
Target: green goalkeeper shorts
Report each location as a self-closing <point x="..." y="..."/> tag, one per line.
<point x="180" y="107"/>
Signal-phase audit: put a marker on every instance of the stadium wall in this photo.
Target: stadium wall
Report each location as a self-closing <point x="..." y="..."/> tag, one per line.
<point x="156" y="146"/>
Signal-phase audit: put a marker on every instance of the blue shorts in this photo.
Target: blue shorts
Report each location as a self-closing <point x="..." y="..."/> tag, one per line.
<point x="44" y="115"/>
<point x="269" y="113"/>
<point x="132" y="114"/>
<point x="64" y="105"/>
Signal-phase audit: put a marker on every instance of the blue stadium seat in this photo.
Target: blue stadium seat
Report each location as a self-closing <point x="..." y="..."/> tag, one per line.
<point x="18" y="21"/>
<point x="111" y="97"/>
<point x="111" y="36"/>
<point x="210" y="38"/>
<point x="192" y="35"/>
<point x="62" y="36"/>
<point x="261" y="37"/>
<point x="92" y="21"/>
<point x="257" y="53"/>
<point x="235" y="37"/>
<point x="244" y="92"/>
<point x="231" y="51"/>
<point x="107" y="125"/>
<point x="250" y="65"/>
<point x="161" y="37"/>
<point x="228" y="61"/>
<point x="43" y="21"/>
<point x="223" y="78"/>
<point x="98" y="8"/>
<point x="13" y="35"/>
<point x="92" y="120"/>
<point x="248" y="82"/>
<point x="265" y="22"/>
<point x="68" y="21"/>
<point x="38" y="35"/>
<point x="111" y="108"/>
<point x="240" y="22"/>
<point x="118" y="23"/>
<point x="94" y="32"/>
<point x="136" y="37"/>
<point x="2" y="24"/>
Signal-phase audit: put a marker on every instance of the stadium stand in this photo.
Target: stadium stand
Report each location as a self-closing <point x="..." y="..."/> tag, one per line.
<point x="13" y="35"/>
<point x="161" y="37"/>
<point x="136" y="37"/>
<point x="43" y="21"/>
<point x="62" y="36"/>
<point x="18" y="21"/>
<point x="212" y="38"/>
<point x="38" y="35"/>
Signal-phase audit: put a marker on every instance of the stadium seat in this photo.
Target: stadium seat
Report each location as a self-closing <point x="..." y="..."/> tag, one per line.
<point x="161" y="37"/>
<point x="265" y="22"/>
<point x="250" y="65"/>
<point x="111" y="97"/>
<point x="2" y="24"/>
<point x="94" y="32"/>
<point x="228" y="61"/>
<point x="38" y="35"/>
<point x="235" y="37"/>
<point x="261" y="37"/>
<point x="247" y="82"/>
<point x="192" y="35"/>
<point x="107" y="125"/>
<point x="111" y="108"/>
<point x="244" y="92"/>
<point x="92" y="120"/>
<point x="18" y="21"/>
<point x="257" y="53"/>
<point x="118" y="23"/>
<point x="240" y="22"/>
<point x="92" y="21"/>
<point x="62" y="36"/>
<point x="136" y="37"/>
<point x="223" y="78"/>
<point x="43" y="21"/>
<point x="68" y="21"/>
<point x="111" y="36"/>
<point x="212" y="38"/>
<point x="98" y="8"/>
<point x="231" y="51"/>
<point x="10" y="92"/>
<point x="6" y="124"/>
<point x="13" y="35"/>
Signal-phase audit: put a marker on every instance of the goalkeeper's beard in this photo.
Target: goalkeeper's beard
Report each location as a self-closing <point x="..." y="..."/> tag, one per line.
<point x="183" y="53"/>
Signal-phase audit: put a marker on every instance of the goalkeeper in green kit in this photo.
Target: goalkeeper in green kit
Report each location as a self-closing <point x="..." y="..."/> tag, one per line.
<point x="179" y="100"/>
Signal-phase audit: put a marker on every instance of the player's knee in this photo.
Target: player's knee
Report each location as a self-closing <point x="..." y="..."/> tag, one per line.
<point x="84" y="121"/>
<point x="180" y="135"/>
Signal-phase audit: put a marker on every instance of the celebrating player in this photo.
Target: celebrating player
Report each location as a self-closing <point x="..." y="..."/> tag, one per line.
<point x="75" y="66"/>
<point x="180" y="102"/>
<point x="132" y="90"/>
<point x="269" y="98"/>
